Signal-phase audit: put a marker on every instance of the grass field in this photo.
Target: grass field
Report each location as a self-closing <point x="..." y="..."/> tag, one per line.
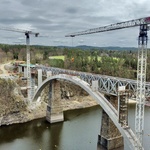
<point x="63" y="57"/>
<point x="57" y="57"/>
<point x="99" y="58"/>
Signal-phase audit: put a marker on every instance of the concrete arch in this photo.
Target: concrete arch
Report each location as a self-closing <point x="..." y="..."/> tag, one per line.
<point x="127" y="133"/>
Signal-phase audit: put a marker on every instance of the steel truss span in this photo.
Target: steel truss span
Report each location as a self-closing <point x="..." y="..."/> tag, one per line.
<point x="141" y="66"/>
<point x="106" y="84"/>
<point x="127" y="133"/>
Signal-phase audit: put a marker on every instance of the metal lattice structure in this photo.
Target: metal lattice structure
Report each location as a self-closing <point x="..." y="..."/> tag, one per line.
<point x="141" y="67"/>
<point x="30" y="87"/>
<point x="141" y="81"/>
<point x="106" y="84"/>
<point x="102" y="101"/>
<point x="27" y="34"/>
<point x="116" y="26"/>
<point x="28" y="67"/>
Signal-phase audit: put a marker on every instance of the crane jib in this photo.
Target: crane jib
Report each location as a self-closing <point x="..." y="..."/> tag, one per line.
<point x="116" y="26"/>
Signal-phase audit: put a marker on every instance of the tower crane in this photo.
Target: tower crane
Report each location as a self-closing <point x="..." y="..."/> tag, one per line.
<point x="27" y="34"/>
<point x="141" y="66"/>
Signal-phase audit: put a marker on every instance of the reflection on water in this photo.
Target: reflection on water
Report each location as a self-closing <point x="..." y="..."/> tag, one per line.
<point x="79" y="131"/>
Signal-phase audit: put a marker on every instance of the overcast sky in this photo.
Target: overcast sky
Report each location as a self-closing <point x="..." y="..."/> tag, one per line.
<point x="53" y="19"/>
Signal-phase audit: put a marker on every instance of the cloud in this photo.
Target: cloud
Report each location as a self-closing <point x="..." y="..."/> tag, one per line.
<point x="81" y="41"/>
<point x="58" y="18"/>
<point x="71" y="10"/>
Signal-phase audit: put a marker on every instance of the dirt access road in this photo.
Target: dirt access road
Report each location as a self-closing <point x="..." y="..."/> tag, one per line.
<point x="4" y="72"/>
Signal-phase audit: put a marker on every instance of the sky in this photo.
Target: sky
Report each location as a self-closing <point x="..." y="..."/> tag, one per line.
<point x="54" y="19"/>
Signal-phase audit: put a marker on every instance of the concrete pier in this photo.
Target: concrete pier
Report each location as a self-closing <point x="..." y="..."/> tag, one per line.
<point x="39" y="77"/>
<point x="49" y="74"/>
<point x="54" y="111"/>
<point x="110" y="137"/>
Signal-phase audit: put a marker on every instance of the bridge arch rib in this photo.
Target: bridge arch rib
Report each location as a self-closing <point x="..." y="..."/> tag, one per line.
<point x="127" y="133"/>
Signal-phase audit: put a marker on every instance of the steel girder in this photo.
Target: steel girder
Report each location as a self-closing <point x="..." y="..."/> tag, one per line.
<point x="107" y="84"/>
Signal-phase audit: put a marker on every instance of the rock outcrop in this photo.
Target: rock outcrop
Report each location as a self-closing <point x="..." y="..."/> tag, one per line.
<point x="14" y="109"/>
<point x="11" y="101"/>
<point x="72" y="96"/>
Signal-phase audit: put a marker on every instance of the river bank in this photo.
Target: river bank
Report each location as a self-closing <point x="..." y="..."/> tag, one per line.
<point x="38" y="134"/>
<point x="79" y="131"/>
<point x="39" y="111"/>
<point x="13" y="106"/>
<point x="83" y="102"/>
<point x="14" y="109"/>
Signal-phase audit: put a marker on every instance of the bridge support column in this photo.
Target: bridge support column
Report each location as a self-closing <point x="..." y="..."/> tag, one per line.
<point x="49" y="74"/>
<point x="110" y="136"/>
<point x="54" y="111"/>
<point x="32" y="85"/>
<point x="39" y="77"/>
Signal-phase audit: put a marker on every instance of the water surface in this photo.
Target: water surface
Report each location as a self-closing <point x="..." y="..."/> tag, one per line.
<point x="79" y="131"/>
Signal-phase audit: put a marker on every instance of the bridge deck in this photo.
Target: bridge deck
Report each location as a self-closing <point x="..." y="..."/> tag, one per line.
<point x="106" y="84"/>
<point x="102" y="101"/>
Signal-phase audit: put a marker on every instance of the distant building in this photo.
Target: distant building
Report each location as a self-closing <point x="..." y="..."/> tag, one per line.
<point x="22" y="68"/>
<point x="16" y="63"/>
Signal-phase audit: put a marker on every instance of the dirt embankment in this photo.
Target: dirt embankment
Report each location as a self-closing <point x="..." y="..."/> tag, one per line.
<point x="13" y="108"/>
<point x="74" y="97"/>
<point x="11" y="100"/>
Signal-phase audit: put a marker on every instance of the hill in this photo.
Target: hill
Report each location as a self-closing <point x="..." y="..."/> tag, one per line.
<point x="85" y="47"/>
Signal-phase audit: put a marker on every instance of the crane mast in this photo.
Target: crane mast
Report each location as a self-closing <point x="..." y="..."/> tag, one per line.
<point x="30" y="92"/>
<point x="141" y="80"/>
<point x="28" y="67"/>
<point x="141" y="66"/>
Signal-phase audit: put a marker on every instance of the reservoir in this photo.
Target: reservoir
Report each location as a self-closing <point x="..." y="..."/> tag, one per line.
<point x="79" y="131"/>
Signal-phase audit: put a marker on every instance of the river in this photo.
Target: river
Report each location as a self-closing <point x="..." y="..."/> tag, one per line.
<point x="79" y="131"/>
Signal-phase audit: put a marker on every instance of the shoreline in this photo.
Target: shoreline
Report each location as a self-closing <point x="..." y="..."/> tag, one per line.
<point x="40" y="111"/>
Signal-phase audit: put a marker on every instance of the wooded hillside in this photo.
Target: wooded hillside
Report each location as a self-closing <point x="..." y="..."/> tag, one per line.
<point x="119" y="63"/>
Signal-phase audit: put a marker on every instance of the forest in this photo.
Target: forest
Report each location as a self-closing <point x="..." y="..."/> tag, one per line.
<point x="118" y="63"/>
